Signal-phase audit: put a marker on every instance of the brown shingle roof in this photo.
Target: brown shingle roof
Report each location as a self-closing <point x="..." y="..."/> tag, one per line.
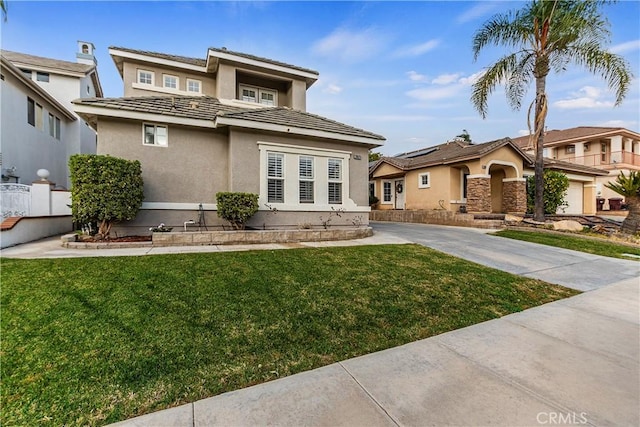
<point x="294" y="118"/>
<point x="184" y="59"/>
<point x="208" y="108"/>
<point x="259" y="58"/>
<point x="580" y="132"/>
<point x="449" y="152"/>
<point x="203" y="62"/>
<point x="39" y="61"/>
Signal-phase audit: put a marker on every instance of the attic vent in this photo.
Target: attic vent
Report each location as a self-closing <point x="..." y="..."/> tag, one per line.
<point x="194" y="104"/>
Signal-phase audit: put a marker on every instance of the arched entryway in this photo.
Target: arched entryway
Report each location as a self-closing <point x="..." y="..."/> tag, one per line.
<point x="508" y="192"/>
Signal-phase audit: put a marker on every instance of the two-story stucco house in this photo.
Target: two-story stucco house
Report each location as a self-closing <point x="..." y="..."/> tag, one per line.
<point x="230" y="122"/>
<point x="610" y="149"/>
<point x="39" y="128"/>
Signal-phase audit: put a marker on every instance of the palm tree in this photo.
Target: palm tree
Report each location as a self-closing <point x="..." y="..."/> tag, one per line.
<point x="546" y="35"/>
<point x="3" y="8"/>
<point x="629" y="187"/>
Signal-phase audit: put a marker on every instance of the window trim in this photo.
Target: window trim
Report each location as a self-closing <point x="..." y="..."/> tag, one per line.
<point x="51" y="125"/>
<point x="43" y="77"/>
<point x="58" y="127"/>
<point x="155" y="134"/>
<point x="307" y="179"/>
<point x="153" y="77"/>
<point x="281" y="178"/>
<point x="383" y="200"/>
<point x="570" y="149"/>
<point x="337" y="180"/>
<point x="420" y="183"/>
<point x="259" y="91"/>
<point x="164" y="81"/>
<point x="194" y="81"/>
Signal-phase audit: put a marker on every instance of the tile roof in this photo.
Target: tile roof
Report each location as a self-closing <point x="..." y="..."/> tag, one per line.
<point x="585" y="132"/>
<point x="39" y="61"/>
<point x="449" y="152"/>
<point x="259" y="58"/>
<point x="184" y="59"/>
<point x="202" y="62"/>
<point x="569" y="167"/>
<point x="208" y="108"/>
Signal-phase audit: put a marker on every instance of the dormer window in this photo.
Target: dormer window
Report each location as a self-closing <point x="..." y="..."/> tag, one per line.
<point x="145" y="77"/>
<point x="170" y="82"/>
<point x="258" y="95"/>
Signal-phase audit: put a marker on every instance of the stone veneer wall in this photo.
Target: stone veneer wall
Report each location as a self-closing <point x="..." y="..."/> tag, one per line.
<point x="514" y="197"/>
<point x="478" y="194"/>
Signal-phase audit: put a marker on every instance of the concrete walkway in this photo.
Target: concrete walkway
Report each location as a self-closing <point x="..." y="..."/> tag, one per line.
<point x="574" y="361"/>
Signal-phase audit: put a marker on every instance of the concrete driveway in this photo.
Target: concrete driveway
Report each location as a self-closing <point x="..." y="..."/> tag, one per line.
<point x="577" y="270"/>
<point x="570" y="362"/>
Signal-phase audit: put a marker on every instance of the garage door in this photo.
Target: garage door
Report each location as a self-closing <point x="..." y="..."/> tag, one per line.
<point x="574" y="198"/>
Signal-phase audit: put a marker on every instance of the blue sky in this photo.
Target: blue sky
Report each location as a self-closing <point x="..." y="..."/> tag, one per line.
<point x="400" y="69"/>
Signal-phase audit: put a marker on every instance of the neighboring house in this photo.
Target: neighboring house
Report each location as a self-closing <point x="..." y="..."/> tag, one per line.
<point x="230" y="122"/>
<point x="610" y="149"/>
<point x="461" y="176"/>
<point x="39" y="128"/>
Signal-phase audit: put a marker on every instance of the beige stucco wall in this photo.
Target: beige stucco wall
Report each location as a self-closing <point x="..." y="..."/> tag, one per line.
<point x="511" y="161"/>
<point x="130" y="76"/>
<point x="191" y="169"/>
<point x="428" y="198"/>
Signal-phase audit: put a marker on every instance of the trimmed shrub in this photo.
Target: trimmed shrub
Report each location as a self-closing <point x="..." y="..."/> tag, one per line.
<point x="556" y="185"/>
<point x="104" y="190"/>
<point x="237" y="208"/>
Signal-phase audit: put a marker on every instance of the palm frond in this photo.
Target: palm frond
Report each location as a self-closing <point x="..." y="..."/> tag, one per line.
<point x="493" y="76"/>
<point x="628" y="186"/>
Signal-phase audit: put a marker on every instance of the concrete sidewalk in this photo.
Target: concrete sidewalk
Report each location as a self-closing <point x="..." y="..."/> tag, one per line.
<point x="574" y="360"/>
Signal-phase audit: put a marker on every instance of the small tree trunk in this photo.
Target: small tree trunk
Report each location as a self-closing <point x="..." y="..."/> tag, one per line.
<point x="540" y="117"/>
<point x="631" y="224"/>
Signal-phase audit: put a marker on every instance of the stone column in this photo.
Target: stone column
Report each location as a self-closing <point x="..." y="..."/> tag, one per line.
<point x="514" y="195"/>
<point x="479" y="193"/>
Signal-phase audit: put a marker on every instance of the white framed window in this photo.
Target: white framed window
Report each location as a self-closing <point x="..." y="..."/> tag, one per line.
<point x="194" y="86"/>
<point x="306" y="184"/>
<point x="42" y="77"/>
<point x="334" y="174"/>
<point x="275" y="178"/>
<point x="157" y="135"/>
<point x="170" y="82"/>
<point x="145" y="77"/>
<point x="31" y="112"/>
<point x="259" y="95"/>
<point x="424" y="180"/>
<point x="372" y="188"/>
<point x="57" y="129"/>
<point x="570" y="149"/>
<point x="52" y="125"/>
<point x="586" y="146"/>
<point x="387" y="192"/>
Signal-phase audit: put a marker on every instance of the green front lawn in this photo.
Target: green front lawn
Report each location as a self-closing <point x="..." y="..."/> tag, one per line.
<point x="567" y="241"/>
<point x="96" y="340"/>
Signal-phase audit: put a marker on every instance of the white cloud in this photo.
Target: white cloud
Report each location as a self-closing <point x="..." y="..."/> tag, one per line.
<point x="523" y="132"/>
<point x="628" y="124"/>
<point x="625" y="47"/>
<point x="351" y="46"/>
<point x="445" y="79"/>
<point x="477" y="11"/>
<point x="332" y="89"/>
<point x="468" y="81"/>
<point x="416" y="77"/>
<point x="419" y="49"/>
<point x="403" y="118"/>
<point x="430" y="94"/>
<point x="586" y="97"/>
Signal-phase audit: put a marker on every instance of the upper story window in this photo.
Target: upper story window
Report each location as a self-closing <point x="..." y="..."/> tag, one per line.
<point x="57" y="130"/>
<point x="145" y="77"/>
<point x="170" y="82"/>
<point x="570" y="149"/>
<point x="42" y="77"/>
<point x="258" y="95"/>
<point x="39" y="118"/>
<point x="31" y="111"/>
<point x="194" y="86"/>
<point x="27" y="73"/>
<point x="155" y="135"/>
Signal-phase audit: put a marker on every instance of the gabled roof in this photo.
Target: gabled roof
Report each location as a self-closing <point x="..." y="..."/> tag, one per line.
<point x="21" y="60"/>
<point x="209" y="112"/>
<point x="569" y="167"/>
<point x="224" y="50"/>
<point x="577" y="134"/>
<point x="7" y="66"/>
<point x="184" y="59"/>
<point x="448" y="153"/>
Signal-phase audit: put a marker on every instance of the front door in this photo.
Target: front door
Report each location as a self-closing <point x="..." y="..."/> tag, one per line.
<point x="399" y="193"/>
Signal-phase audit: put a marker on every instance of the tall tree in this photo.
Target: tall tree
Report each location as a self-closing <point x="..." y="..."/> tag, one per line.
<point x="546" y="35"/>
